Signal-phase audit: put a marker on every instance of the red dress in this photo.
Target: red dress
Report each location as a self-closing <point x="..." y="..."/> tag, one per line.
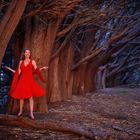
<point x="27" y="86"/>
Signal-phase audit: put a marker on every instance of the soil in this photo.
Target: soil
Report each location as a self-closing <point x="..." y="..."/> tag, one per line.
<point x="111" y="113"/>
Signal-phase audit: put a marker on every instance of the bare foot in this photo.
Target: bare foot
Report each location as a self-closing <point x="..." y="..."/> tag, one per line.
<point x="32" y="116"/>
<point x="20" y="114"/>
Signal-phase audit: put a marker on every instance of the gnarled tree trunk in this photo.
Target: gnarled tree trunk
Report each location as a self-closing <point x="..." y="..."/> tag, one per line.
<point x="61" y="76"/>
<point x="9" y="23"/>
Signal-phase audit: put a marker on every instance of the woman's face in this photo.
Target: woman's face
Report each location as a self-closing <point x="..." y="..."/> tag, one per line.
<point x="27" y="53"/>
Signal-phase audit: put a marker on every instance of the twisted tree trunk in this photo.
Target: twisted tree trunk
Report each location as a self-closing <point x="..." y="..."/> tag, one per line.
<point x="61" y="76"/>
<point x="9" y="23"/>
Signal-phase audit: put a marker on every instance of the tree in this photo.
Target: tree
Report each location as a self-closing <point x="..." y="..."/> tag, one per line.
<point x="74" y="38"/>
<point x="9" y="23"/>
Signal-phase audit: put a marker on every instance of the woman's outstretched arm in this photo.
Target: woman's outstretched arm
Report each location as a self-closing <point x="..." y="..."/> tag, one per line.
<point x="43" y="68"/>
<point x="35" y="66"/>
<point x="12" y="70"/>
<point x="8" y="68"/>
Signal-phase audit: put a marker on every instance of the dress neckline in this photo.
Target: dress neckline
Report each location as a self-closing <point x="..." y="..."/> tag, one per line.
<point x="27" y="64"/>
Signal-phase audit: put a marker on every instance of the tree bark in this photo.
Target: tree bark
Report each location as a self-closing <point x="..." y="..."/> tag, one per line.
<point x="9" y="23"/>
<point x="61" y="76"/>
<point x="47" y="47"/>
<point x="84" y="79"/>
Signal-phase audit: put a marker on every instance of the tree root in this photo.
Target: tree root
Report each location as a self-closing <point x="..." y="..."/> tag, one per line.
<point x="48" y="124"/>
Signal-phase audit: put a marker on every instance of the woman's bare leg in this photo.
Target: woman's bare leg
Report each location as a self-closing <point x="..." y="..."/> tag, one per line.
<point x="31" y="104"/>
<point x="21" y="103"/>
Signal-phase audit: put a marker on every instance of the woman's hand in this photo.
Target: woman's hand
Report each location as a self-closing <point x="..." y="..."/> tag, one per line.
<point x="44" y="68"/>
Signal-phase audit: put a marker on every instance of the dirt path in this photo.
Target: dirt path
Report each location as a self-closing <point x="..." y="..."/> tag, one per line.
<point x="111" y="112"/>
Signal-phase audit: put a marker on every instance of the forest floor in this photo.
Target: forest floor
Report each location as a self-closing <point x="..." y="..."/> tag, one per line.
<point x="112" y="113"/>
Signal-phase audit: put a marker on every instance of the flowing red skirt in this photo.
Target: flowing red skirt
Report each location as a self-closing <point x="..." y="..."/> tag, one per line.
<point x="26" y="86"/>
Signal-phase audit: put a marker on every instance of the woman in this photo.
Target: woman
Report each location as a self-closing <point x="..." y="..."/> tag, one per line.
<point x="26" y="87"/>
